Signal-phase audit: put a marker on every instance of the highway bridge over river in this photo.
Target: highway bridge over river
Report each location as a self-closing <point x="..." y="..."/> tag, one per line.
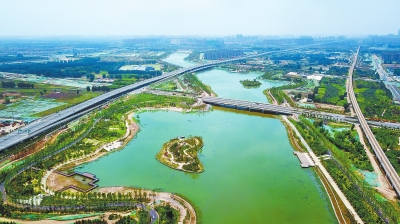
<point x="275" y="109"/>
<point x="46" y="123"/>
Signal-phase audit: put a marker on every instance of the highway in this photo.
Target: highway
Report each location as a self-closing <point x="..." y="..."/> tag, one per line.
<point x="380" y="155"/>
<point x="35" y="128"/>
<point x="395" y="91"/>
<point x="275" y="109"/>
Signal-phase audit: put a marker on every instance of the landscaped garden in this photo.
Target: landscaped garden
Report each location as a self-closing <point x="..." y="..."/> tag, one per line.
<point x="182" y="154"/>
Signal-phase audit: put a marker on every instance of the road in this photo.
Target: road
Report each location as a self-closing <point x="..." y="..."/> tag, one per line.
<point x="383" y="160"/>
<point x="275" y="109"/>
<point x="395" y="91"/>
<point x="48" y="122"/>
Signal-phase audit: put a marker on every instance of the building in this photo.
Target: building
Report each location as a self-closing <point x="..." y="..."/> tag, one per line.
<point x="389" y="39"/>
<point x="390" y="57"/>
<point x="137" y="68"/>
<point x="222" y="54"/>
<point x="140" y="41"/>
<point x="178" y="41"/>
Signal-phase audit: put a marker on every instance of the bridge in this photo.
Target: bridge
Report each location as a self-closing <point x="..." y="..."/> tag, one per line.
<point x="46" y="123"/>
<point x="380" y="155"/>
<point x="275" y="109"/>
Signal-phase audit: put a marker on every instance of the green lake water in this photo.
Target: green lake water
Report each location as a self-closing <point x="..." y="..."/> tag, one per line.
<point x="227" y="85"/>
<point x="251" y="174"/>
<point x="177" y="59"/>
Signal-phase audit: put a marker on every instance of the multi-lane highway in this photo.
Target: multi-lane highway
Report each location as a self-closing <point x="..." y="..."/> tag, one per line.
<point x="395" y="91"/>
<point x="50" y="121"/>
<point x="380" y="155"/>
<point x="276" y="109"/>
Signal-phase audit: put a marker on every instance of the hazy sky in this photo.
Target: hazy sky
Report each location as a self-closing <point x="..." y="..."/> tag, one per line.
<point x="198" y="17"/>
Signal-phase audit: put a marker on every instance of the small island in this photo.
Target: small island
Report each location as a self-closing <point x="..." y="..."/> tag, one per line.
<point x="250" y="83"/>
<point x="182" y="154"/>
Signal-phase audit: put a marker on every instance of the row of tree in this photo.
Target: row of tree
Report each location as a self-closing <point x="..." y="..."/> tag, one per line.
<point x="22" y="85"/>
<point x="98" y="88"/>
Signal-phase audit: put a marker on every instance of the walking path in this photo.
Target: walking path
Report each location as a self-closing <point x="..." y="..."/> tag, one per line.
<point x="325" y="173"/>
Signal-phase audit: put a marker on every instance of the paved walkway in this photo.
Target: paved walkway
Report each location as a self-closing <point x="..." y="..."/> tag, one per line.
<point x="325" y="173"/>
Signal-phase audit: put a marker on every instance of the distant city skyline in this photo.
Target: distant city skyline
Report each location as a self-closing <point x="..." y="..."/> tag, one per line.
<point x="198" y="18"/>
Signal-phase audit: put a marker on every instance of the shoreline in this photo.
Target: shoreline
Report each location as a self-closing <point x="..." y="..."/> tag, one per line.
<point x="132" y="128"/>
<point x="326" y="176"/>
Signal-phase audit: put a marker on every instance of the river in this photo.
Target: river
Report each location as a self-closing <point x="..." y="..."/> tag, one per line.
<point x="251" y="174"/>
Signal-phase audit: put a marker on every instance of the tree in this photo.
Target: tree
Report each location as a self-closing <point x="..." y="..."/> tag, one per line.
<point x="7" y="100"/>
<point x="104" y="76"/>
<point x="88" y="88"/>
<point x="91" y="77"/>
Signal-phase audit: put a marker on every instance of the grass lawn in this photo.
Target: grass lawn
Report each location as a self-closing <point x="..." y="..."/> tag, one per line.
<point x="70" y="99"/>
<point x="169" y="86"/>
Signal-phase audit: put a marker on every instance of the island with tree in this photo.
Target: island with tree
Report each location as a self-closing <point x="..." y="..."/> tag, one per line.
<point x="250" y="83"/>
<point x="182" y="154"/>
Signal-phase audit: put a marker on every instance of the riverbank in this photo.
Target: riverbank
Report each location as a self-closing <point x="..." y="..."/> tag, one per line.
<point x="187" y="212"/>
<point x="326" y="176"/>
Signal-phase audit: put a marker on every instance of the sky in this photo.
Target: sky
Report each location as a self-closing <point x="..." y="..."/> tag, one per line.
<point x="198" y="17"/>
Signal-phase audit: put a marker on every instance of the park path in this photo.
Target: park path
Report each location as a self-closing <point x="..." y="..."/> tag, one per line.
<point x="325" y="173"/>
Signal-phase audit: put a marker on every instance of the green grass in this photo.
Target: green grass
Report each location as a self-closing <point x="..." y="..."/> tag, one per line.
<point x="32" y="216"/>
<point x="168" y="86"/>
<point x="73" y="217"/>
<point x="83" y="96"/>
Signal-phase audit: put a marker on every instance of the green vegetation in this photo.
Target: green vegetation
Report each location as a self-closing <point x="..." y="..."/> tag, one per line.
<point x="91" y="221"/>
<point x="332" y="91"/>
<point x="338" y="71"/>
<point x="167" y="214"/>
<point x="341" y="167"/>
<point x="375" y="101"/>
<point x="192" y="78"/>
<point x="365" y="73"/>
<point x="361" y="205"/>
<point x="342" y="143"/>
<point x="250" y="83"/>
<point x="281" y="96"/>
<point x="194" y="56"/>
<point x="181" y="154"/>
<point x="167" y="86"/>
<point x="82" y="138"/>
<point x="270" y="76"/>
<point x="389" y="141"/>
<point x="73" y="217"/>
<point x="396" y="72"/>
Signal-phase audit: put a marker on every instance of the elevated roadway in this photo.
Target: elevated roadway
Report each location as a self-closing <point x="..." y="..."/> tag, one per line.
<point x="380" y="155"/>
<point x="33" y="129"/>
<point x="275" y="109"/>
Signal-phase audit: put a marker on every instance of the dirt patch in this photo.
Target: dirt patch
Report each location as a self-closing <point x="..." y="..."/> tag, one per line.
<point x="57" y="182"/>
